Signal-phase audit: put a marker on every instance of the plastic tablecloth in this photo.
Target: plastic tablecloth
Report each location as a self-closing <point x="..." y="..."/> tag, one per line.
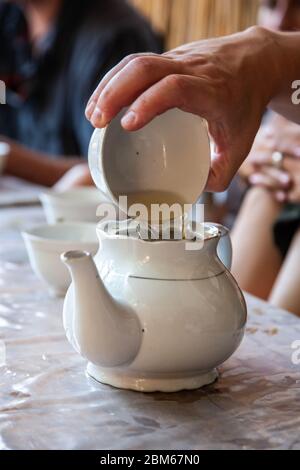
<point x="48" y="402"/>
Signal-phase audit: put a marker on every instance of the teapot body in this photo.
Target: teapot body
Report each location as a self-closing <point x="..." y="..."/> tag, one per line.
<point x="189" y="328"/>
<point x="190" y="313"/>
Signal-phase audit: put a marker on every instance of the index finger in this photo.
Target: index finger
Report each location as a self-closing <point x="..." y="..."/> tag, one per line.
<point x="90" y="107"/>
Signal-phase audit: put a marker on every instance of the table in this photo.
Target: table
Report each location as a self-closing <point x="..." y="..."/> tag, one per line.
<point x="48" y="402"/>
<point x="14" y="191"/>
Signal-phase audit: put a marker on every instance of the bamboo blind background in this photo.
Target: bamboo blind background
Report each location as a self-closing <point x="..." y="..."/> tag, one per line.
<point x="188" y="20"/>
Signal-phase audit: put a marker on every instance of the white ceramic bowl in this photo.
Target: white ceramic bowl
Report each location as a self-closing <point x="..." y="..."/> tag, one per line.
<point x="171" y="154"/>
<point x="46" y="243"/>
<point x="75" y="205"/>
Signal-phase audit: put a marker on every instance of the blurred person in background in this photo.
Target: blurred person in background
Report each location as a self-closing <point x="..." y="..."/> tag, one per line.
<point x="52" y="53"/>
<point x="266" y="235"/>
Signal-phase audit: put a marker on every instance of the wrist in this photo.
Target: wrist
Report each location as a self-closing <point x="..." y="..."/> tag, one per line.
<point x="267" y="61"/>
<point x="284" y="62"/>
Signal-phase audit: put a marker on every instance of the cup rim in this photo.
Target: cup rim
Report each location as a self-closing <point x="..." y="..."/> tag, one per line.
<point x="34" y="237"/>
<point x="64" y="197"/>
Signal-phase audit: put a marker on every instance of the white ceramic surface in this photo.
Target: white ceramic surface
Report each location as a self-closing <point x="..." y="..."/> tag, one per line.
<point x="75" y="205"/>
<point x="170" y="154"/>
<point x="153" y="316"/>
<point x="45" y="244"/>
<point x="224" y="249"/>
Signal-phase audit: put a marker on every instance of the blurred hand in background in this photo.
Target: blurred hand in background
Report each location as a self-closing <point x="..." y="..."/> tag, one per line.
<point x="283" y="180"/>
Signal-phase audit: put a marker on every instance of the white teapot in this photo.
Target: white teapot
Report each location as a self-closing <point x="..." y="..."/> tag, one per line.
<point x="152" y="315"/>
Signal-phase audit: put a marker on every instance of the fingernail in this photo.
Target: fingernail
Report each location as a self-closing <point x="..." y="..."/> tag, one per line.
<point x="97" y="117"/>
<point x="89" y="109"/>
<point x="285" y="178"/>
<point x="129" y="119"/>
<point x="254" y="179"/>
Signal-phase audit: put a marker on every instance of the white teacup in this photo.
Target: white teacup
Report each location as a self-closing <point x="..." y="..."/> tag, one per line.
<point x="170" y="156"/>
<point x="74" y="205"/>
<point x="46" y="243"/>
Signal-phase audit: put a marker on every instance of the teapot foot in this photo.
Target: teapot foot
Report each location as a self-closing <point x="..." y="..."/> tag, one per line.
<point x="150" y="383"/>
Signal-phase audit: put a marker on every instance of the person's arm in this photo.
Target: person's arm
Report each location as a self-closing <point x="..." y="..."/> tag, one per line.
<point x="228" y="81"/>
<point x="36" y="167"/>
<point x="288" y="68"/>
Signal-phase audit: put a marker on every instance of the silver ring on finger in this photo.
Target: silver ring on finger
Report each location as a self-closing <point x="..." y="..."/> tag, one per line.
<point x="277" y="159"/>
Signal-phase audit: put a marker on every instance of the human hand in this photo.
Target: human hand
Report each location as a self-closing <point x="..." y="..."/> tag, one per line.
<point x="292" y="166"/>
<point x="217" y="79"/>
<point x="284" y="183"/>
<point x="278" y="135"/>
<point x="79" y="175"/>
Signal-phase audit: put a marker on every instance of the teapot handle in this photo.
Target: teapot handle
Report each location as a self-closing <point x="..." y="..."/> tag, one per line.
<point x="224" y="249"/>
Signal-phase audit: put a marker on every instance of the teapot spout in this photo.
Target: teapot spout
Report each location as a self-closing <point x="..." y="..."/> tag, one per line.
<point x="106" y="333"/>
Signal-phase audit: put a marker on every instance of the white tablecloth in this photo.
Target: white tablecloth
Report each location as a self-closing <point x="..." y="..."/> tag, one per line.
<point x="48" y="402"/>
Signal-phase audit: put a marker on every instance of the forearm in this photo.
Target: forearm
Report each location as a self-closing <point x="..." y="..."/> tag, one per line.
<point x="288" y="71"/>
<point x="37" y="167"/>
